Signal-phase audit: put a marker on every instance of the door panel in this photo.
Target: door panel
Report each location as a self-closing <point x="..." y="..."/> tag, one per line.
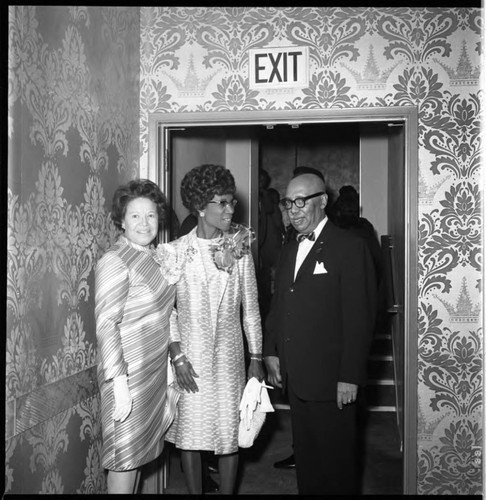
<point x="242" y="160"/>
<point x="396" y="231"/>
<point x="188" y="148"/>
<point x="235" y="148"/>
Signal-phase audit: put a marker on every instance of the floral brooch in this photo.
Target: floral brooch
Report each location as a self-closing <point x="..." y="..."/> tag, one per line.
<point x="231" y="246"/>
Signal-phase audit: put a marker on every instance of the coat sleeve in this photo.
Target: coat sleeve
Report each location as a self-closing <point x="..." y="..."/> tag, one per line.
<point x="112" y="285"/>
<point x="359" y="304"/>
<point x="270" y="340"/>
<point x="176" y="250"/>
<point x="174" y="334"/>
<point x="251" y="310"/>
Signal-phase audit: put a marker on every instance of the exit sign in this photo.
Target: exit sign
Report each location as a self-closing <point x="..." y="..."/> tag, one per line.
<point x="277" y="67"/>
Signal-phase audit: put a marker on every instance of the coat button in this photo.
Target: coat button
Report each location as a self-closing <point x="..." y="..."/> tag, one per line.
<point x="291" y="289"/>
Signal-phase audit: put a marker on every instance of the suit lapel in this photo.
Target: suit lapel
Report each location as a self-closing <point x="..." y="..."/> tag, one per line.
<point x="289" y="268"/>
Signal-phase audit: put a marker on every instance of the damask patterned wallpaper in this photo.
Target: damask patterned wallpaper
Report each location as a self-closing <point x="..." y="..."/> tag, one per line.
<point x="73" y="127"/>
<point x="196" y="59"/>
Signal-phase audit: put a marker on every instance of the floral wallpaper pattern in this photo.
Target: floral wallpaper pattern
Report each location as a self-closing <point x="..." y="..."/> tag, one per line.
<point x="82" y="82"/>
<point x="196" y="59"/>
<point x="73" y="111"/>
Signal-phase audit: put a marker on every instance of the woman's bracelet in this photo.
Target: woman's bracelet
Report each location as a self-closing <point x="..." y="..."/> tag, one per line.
<point x="177" y="356"/>
<point x="258" y="357"/>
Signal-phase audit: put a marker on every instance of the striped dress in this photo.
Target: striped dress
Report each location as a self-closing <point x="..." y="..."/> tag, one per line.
<point x="133" y="303"/>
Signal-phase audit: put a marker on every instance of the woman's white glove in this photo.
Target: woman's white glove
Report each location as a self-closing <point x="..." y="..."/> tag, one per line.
<point x="123" y="398"/>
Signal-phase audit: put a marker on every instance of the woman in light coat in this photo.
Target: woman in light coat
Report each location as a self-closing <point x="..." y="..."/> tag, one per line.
<point x="206" y="339"/>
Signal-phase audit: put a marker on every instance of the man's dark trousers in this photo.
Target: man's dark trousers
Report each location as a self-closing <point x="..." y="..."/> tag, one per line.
<point x="321" y="449"/>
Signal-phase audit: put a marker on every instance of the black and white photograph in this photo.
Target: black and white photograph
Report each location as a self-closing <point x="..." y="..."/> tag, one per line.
<point x="244" y="249"/>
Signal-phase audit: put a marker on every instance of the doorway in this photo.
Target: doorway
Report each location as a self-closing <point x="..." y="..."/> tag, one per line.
<point x="388" y="189"/>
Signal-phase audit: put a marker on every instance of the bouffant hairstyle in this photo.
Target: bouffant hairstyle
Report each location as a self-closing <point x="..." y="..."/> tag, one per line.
<point x="201" y="184"/>
<point x="137" y="188"/>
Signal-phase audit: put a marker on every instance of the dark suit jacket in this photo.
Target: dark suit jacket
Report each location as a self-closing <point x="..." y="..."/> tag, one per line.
<point x="321" y="325"/>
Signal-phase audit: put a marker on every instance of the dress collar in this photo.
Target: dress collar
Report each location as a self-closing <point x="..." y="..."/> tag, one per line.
<point x="147" y="249"/>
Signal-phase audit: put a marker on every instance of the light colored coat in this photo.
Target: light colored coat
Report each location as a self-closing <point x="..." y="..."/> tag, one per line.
<point x="212" y="339"/>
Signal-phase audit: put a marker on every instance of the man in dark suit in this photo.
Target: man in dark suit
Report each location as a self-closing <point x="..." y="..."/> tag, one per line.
<point x="319" y="331"/>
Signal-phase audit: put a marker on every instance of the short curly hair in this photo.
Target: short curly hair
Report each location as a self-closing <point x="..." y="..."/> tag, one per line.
<point x="137" y="188"/>
<point x="201" y="184"/>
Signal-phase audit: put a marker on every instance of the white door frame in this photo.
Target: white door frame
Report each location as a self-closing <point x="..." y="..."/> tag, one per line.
<point x="157" y="171"/>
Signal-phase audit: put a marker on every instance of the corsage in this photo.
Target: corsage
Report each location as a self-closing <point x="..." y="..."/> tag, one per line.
<point x="232" y="246"/>
<point x="170" y="266"/>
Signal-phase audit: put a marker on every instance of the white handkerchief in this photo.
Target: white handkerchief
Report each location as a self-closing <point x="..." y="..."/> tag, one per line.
<point x="320" y="269"/>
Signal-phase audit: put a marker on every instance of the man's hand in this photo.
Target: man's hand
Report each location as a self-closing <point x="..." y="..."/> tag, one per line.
<point x="346" y="394"/>
<point x="272" y="364"/>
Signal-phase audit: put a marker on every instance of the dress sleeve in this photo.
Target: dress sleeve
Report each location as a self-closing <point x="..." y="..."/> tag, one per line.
<point x="251" y="311"/>
<point x="111" y="284"/>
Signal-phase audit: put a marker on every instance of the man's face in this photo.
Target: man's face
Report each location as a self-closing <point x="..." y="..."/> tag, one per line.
<point x="307" y="218"/>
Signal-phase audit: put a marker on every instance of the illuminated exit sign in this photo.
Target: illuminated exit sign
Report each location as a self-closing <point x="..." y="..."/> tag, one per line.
<point x="277" y="67"/>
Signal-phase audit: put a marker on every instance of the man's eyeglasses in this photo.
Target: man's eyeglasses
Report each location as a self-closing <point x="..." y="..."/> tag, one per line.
<point x="224" y="203"/>
<point x="298" y="202"/>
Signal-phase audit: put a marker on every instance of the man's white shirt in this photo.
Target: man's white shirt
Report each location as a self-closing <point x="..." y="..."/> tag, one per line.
<point x="306" y="245"/>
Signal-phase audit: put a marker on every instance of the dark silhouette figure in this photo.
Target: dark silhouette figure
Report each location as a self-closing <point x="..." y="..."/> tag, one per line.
<point x="270" y="236"/>
<point x="345" y="213"/>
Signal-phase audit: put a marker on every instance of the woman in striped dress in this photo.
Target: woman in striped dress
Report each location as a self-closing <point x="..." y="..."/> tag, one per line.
<point x="206" y="338"/>
<point x="133" y="304"/>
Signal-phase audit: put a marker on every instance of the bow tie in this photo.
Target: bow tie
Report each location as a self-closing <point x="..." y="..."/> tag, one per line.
<point x="302" y="236"/>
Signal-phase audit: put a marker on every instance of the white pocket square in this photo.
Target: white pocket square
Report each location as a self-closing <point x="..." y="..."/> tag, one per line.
<point x="320" y="269"/>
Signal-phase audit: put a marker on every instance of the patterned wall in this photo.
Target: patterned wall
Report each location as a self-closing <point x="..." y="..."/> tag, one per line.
<point x="196" y="59"/>
<point x="73" y="127"/>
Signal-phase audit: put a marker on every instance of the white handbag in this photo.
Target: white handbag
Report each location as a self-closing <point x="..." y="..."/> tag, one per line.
<point x="254" y="406"/>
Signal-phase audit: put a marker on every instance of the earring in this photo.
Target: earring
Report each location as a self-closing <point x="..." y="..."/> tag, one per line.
<point x="201" y="214"/>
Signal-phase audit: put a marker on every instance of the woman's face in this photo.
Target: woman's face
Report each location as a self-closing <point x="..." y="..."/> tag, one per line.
<point x="141" y="221"/>
<point x="218" y="215"/>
